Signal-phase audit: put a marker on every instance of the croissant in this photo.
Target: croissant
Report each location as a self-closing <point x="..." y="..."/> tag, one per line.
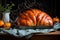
<point x="34" y="17"/>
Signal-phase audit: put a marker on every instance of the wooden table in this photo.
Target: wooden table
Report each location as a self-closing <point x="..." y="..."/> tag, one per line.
<point x="49" y="36"/>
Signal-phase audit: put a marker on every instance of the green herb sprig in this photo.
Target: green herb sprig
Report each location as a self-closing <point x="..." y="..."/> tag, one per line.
<point x="7" y="8"/>
<point x="1" y="8"/>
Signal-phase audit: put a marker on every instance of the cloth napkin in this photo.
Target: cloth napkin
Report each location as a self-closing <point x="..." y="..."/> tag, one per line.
<point x="21" y="33"/>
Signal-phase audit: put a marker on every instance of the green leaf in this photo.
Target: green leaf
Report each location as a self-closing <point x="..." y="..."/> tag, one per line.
<point x="1" y="8"/>
<point x="7" y="8"/>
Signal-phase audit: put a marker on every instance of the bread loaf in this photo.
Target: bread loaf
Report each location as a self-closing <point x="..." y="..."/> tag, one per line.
<point x="34" y="17"/>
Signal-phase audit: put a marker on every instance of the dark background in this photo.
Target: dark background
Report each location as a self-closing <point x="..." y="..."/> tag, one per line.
<point x="49" y="6"/>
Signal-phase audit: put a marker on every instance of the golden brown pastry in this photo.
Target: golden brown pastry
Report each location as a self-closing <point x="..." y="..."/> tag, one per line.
<point x="34" y="17"/>
<point x="55" y="19"/>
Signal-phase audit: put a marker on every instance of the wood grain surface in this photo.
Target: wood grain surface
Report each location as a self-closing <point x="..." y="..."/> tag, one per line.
<point x="49" y="36"/>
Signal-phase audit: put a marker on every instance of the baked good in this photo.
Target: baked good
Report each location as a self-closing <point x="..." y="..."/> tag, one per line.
<point x="34" y="17"/>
